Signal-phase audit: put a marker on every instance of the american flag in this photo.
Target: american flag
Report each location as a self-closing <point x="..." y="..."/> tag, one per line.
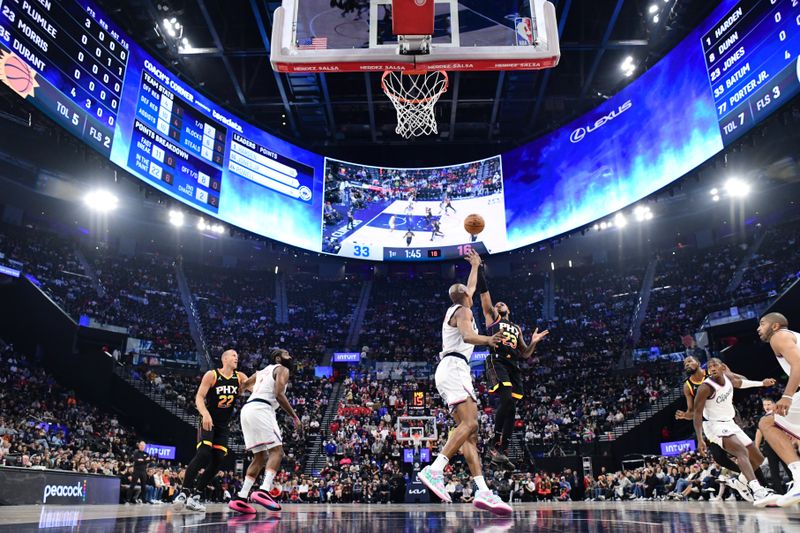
<point x="317" y="43"/>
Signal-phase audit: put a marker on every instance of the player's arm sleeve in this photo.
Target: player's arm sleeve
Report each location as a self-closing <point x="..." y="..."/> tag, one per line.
<point x="489" y="312"/>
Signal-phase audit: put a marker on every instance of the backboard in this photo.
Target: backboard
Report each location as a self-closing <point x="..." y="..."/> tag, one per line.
<point x="356" y="36"/>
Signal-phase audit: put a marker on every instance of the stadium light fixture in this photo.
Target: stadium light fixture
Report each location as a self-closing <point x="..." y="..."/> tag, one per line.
<point x="642" y="213"/>
<point x="655" y="19"/>
<point x="653" y="8"/>
<point x="737" y="188"/>
<point x="627" y="66"/>
<point x="201" y="225"/>
<point x="620" y="221"/>
<point x="176" y="218"/>
<point x="101" y="200"/>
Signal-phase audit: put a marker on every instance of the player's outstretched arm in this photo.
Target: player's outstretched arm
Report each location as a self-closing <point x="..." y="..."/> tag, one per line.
<point x="489" y="312"/>
<point x="703" y="393"/>
<point x="464" y="323"/>
<point x="528" y="349"/>
<point x="472" y="281"/>
<point x="783" y="343"/>
<point x="741" y="382"/>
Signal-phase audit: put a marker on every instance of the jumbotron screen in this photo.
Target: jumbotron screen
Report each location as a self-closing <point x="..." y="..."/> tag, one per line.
<point x="72" y="62"/>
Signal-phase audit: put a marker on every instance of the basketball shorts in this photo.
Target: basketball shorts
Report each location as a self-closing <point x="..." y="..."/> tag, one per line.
<point x="502" y="374"/>
<point x="454" y="381"/>
<point x="217" y="438"/>
<point x="715" y="431"/>
<point x="791" y="422"/>
<point x="260" y="427"/>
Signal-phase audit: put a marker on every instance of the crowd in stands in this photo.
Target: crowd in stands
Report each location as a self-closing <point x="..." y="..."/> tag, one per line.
<point x="688" y="284"/>
<point x="141" y="294"/>
<point x="403" y="320"/>
<point x="570" y="395"/>
<point x="776" y="263"/>
<point x="49" y="261"/>
<point x="236" y="308"/>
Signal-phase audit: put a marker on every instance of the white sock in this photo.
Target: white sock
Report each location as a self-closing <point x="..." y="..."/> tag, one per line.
<point x="754" y="485"/>
<point x="480" y="482"/>
<point x="268" y="477"/>
<point x="794" y="468"/>
<point x="440" y="462"/>
<point x="246" y="486"/>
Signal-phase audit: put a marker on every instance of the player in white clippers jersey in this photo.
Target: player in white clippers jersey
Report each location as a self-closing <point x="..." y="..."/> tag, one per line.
<point x="713" y="416"/>
<point x="262" y="436"/>
<point x="782" y="429"/>
<point x="454" y="384"/>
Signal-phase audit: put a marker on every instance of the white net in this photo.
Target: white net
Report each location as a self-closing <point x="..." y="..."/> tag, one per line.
<point x="414" y="95"/>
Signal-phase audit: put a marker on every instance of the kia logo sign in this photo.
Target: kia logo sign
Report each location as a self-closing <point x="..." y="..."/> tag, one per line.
<point x="580" y="133"/>
<point x="416" y="492"/>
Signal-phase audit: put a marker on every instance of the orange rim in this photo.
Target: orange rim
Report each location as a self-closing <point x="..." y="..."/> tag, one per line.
<point x="389" y="92"/>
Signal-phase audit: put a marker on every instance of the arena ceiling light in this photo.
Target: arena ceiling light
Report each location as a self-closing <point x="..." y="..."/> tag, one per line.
<point x="101" y="200"/>
<point x="714" y="194"/>
<point x="642" y="213"/>
<point x="620" y="221"/>
<point x="627" y="67"/>
<point x="202" y="225"/>
<point x="737" y="188"/>
<point x="176" y="218"/>
<point x="173" y="28"/>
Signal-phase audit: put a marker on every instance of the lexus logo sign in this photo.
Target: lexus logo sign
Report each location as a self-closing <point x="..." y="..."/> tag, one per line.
<point x="580" y="133"/>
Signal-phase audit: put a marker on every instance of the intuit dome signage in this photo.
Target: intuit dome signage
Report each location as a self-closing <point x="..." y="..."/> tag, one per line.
<point x="20" y="486"/>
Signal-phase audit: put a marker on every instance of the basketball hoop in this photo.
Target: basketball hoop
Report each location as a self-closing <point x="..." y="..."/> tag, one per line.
<point x="414" y="94"/>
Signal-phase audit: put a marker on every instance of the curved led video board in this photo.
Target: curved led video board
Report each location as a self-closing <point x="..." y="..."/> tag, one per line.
<point x="72" y="62"/>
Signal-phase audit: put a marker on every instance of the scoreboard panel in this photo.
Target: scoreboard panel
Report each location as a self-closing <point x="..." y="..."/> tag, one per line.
<point x="752" y="62"/>
<point x="734" y="69"/>
<point x="81" y="59"/>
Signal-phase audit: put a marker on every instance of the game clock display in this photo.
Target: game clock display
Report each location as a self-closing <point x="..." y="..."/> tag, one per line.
<point x="436" y="254"/>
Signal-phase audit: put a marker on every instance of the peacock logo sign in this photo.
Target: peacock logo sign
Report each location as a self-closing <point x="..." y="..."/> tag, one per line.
<point x="77" y="491"/>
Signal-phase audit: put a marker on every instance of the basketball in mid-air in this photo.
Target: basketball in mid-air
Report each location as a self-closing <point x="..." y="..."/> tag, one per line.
<point x="474" y="224"/>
